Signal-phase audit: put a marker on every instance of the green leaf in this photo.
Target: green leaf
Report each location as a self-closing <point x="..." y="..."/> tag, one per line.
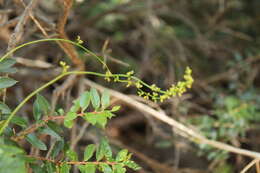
<point x="37" y="168"/>
<point x="106" y="168"/>
<point x="71" y="116"/>
<point x="84" y="100"/>
<point x="6" y="82"/>
<point x="105" y="148"/>
<point x="44" y="104"/>
<point x="91" y="118"/>
<point x="108" y="114"/>
<point x="88" y="168"/>
<point x="54" y="126"/>
<point x="40" y="106"/>
<point x="32" y="139"/>
<point x="115" y="108"/>
<point x="4" y="108"/>
<point x="65" y="168"/>
<point x="118" y="168"/>
<point x="37" y="113"/>
<point x="131" y="164"/>
<point x="96" y="118"/>
<point x="89" y="151"/>
<point x="102" y="120"/>
<point x="20" y="121"/>
<point x="95" y="99"/>
<point x="58" y="146"/>
<point x="10" y="159"/>
<point x="72" y="155"/>
<point x="99" y="153"/>
<point x="68" y="121"/>
<point x="50" y="167"/>
<point x="76" y="106"/>
<point x="105" y="99"/>
<point x="122" y="155"/>
<point x="82" y="168"/>
<point x="49" y="131"/>
<point x="7" y="63"/>
<point x="8" y="70"/>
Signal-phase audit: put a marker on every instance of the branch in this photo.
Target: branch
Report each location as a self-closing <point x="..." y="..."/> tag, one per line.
<point x="70" y="162"/>
<point x="181" y="129"/>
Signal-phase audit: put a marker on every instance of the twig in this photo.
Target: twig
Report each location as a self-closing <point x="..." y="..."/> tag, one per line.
<point x="70" y="162"/>
<point x="18" y="31"/>
<point x="181" y="129"/>
<point x="257" y="167"/>
<point x="36" y="22"/>
<point x="250" y="165"/>
<point x="67" y="48"/>
<point x="33" y="63"/>
<point x="79" y="136"/>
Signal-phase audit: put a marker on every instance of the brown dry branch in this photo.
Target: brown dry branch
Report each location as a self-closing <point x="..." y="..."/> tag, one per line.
<point x="180" y="128"/>
<point x="67" y="48"/>
<point x="247" y="167"/>
<point x="37" y="23"/>
<point x="19" y="28"/>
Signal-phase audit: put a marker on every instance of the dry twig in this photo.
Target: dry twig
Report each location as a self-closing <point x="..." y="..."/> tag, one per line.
<point x="180" y="128"/>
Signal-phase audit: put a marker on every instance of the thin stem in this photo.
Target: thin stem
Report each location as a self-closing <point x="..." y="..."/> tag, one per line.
<point x="54" y="39"/>
<point x="5" y="124"/>
<point x="70" y="162"/>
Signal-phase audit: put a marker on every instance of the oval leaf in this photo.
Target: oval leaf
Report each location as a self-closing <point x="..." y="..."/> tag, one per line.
<point x="89" y="151"/>
<point x="84" y="100"/>
<point x="118" y="168"/>
<point x="95" y="99"/>
<point x="20" y="121"/>
<point x="106" y="168"/>
<point x="115" y="108"/>
<point x="7" y="63"/>
<point x="4" y="108"/>
<point x="6" y="82"/>
<point x="72" y="155"/>
<point x="90" y="168"/>
<point x="65" y="168"/>
<point x="51" y="132"/>
<point x="32" y="139"/>
<point x="122" y="155"/>
<point x="105" y="99"/>
<point x="40" y="106"/>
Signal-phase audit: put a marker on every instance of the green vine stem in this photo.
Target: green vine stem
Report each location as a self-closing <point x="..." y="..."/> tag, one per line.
<point x="78" y="44"/>
<point x="157" y="93"/>
<point x="69" y="162"/>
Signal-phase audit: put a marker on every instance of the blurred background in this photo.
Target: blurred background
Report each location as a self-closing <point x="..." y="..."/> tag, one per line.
<point x="218" y="39"/>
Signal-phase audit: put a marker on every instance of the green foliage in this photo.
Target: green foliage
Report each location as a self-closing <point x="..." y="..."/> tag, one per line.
<point x="61" y="157"/>
<point x="88" y="168"/>
<point x="33" y="139"/>
<point x="40" y="107"/>
<point x="6" y="82"/>
<point x="11" y="160"/>
<point x="4" y="108"/>
<point x="95" y="99"/>
<point x="105" y="99"/>
<point x="230" y="120"/>
<point x="89" y="151"/>
<point x="84" y="100"/>
<point x="65" y="168"/>
<point x="20" y="121"/>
